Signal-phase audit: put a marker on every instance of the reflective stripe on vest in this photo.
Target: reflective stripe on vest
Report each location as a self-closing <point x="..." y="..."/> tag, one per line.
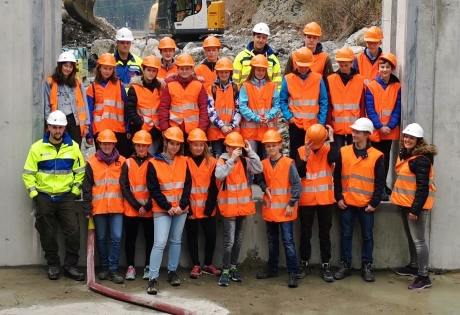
<point x="147" y="106"/>
<point x="137" y="177"/>
<point x="184" y="107"/>
<point x="201" y="180"/>
<point x="368" y="70"/>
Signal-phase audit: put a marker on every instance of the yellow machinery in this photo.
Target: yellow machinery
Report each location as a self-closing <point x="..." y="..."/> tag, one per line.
<point x="81" y="11"/>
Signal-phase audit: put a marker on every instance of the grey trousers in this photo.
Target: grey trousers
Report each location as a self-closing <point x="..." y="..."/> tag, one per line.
<point x="233" y="238"/>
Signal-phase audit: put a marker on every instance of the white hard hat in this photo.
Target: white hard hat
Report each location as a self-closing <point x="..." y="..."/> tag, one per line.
<point x="124" y="34"/>
<point x="261" y="28"/>
<point x="363" y="124"/>
<point x="57" y="118"/>
<point x="67" y="56"/>
<point x="414" y="130"/>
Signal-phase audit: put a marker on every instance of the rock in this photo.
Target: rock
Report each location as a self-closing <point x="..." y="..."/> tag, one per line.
<point x="101" y="46"/>
<point x="357" y="38"/>
<point x="151" y="48"/>
<point x="357" y="49"/>
<point x="329" y="46"/>
<point x="189" y="47"/>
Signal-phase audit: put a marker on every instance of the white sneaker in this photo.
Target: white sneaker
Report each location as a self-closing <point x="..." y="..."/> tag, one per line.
<point x="131" y="273"/>
<point x="146" y="273"/>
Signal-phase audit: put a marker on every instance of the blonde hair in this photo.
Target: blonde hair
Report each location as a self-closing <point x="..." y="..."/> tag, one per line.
<point x="206" y="153"/>
<point x="181" y="150"/>
<point x="252" y="75"/>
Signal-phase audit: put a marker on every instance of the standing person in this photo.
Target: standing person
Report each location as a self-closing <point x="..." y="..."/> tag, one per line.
<point x="65" y="92"/>
<point x="106" y="97"/>
<point x="53" y="175"/>
<point x="235" y="199"/>
<point x="202" y="203"/>
<point x="359" y="177"/>
<point x="315" y="164"/>
<point x="303" y="99"/>
<point x="242" y="63"/>
<point x="169" y="183"/>
<point x="137" y="202"/>
<point x="103" y="200"/>
<point x="223" y="106"/>
<point x="366" y="62"/>
<point x="207" y="69"/>
<point x="167" y="47"/>
<point x="280" y="183"/>
<point x="413" y="193"/>
<point x="383" y="106"/>
<point x="127" y="64"/>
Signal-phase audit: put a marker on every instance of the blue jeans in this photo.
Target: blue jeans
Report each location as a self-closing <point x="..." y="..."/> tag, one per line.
<point x="366" y="221"/>
<point x="166" y="227"/>
<point x="218" y="148"/>
<point x="287" y="236"/>
<point x="102" y="223"/>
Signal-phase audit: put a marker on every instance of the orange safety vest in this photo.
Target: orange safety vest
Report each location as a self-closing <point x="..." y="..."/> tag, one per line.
<point x="317" y="185"/>
<point x="137" y="176"/>
<point x="304" y="98"/>
<point x="345" y="101"/>
<point x="206" y="73"/>
<point x="235" y="196"/>
<point x="147" y="106"/>
<point x="260" y="102"/>
<point x="384" y="104"/>
<point x="358" y="176"/>
<point x="201" y="179"/>
<point x="171" y="179"/>
<point x="225" y="109"/>
<point x="184" y="104"/>
<point x="403" y="193"/>
<point x="277" y="180"/>
<point x="319" y="62"/>
<point x="368" y="70"/>
<point x="80" y="104"/>
<point x="106" y="191"/>
<point x="163" y="73"/>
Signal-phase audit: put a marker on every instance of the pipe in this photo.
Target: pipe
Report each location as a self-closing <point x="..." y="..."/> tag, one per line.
<point x="118" y="295"/>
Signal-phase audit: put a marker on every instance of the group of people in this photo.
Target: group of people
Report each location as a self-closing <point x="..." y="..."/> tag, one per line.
<point x="177" y="143"/>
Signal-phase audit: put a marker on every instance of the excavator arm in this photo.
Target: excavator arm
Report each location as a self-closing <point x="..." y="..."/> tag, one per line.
<point x="82" y="11"/>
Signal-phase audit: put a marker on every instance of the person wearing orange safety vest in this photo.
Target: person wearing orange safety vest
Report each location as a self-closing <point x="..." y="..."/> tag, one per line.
<point x="366" y="62"/>
<point x="170" y="184"/>
<point x="413" y="193"/>
<point x="280" y="183"/>
<point x="315" y="164"/>
<point x="167" y="48"/>
<point x="203" y="199"/>
<point x="359" y="177"/>
<point x="206" y="69"/>
<point x="65" y="92"/>
<point x="103" y="201"/>
<point x="106" y="97"/>
<point x="143" y="100"/>
<point x="137" y="202"/>
<point x="235" y="199"/>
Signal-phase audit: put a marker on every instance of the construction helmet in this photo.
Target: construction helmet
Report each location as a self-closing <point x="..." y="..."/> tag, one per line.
<point x="259" y="61"/>
<point x="67" y="56"/>
<point x="312" y="28"/>
<point x="390" y="58"/>
<point x="106" y="135"/>
<point x="234" y="139"/>
<point x="174" y="134"/>
<point x="197" y="135"/>
<point x="124" y="35"/>
<point x="271" y="136"/>
<point x="414" y="130"/>
<point x="151" y="61"/>
<point x="317" y="135"/>
<point x="142" y="137"/>
<point x="107" y="59"/>
<point x="373" y="34"/>
<point x="303" y="57"/>
<point x="184" y="60"/>
<point x="363" y="124"/>
<point x="57" y="118"/>
<point x="224" y="64"/>
<point x="344" y="54"/>
<point x="261" y="28"/>
<point x="167" y="42"/>
<point x="211" y="41"/>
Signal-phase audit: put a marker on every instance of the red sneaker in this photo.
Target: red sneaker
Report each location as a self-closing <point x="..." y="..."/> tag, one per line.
<point x="211" y="270"/>
<point x="196" y="272"/>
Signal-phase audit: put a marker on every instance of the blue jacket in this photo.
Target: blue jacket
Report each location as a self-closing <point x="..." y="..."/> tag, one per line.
<point x="247" y="113"/>
<point x="132" y="68"/>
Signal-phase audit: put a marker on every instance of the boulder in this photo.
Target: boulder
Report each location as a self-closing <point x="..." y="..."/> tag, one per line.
<point x="357" y="38"/>
<point x="101" y="46"/>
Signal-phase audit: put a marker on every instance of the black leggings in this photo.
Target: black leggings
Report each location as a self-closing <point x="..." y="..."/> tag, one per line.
<point x="384" y="146"/>
<point x="73" y="129"/>
<point x="209" y="230"/>
<point x="131" y="228"/>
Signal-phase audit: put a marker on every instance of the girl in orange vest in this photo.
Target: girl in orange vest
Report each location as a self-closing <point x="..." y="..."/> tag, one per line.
<point x="65" y="92"/>
<point x="202" y="203"/>
<point x="103" y="200"/>
<point x="206" y="69"/>
<point x="281" y="184"/>
<point x="413" y="193"/>
<point x="169" y="183"/>
<point x="235" y="199"/>
<point x="137" y="202"/>
<point x="106" y="98"/>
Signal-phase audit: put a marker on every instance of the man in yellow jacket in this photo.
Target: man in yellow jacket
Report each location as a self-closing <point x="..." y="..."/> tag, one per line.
<point x="53" y="174"/>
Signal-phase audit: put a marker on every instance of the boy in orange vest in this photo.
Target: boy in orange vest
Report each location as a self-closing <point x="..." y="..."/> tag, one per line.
<point x="366" y="62"/>
<point x="206" y="69"/>
<point x="167" y="48"/>
<point x="281" y="184"/>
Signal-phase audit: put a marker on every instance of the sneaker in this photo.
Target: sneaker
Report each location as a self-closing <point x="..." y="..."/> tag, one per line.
<point x="113" y="276"/>
<point x="131" y="273"/>
<point x="267" y="273"/>
<point x="326" y="273"/>
<point x="173" y="279"/>
<point x="146" y="273"/>
<point x="293" y="283"/>
<point x="103" y="273"/>
<point x="407" y="271"/>
<point x="304" y="269"/>
<point x="73" y="273"/>
<point x="152" y="287"/>
<point x="53" y="272"/>
<point x="211" y="270"/>
<point x="366" y="272"/>
<point x="224" y="279"/>
<point x="235" y="276"/>
<point x="344" y="270"/>
<point x="196" y="272"/>
<point x="420" y="283"/>
<point x="385" y="196"/>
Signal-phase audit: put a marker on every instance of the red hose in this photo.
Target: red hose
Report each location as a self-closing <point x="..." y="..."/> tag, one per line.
<point x="118" y="295"/>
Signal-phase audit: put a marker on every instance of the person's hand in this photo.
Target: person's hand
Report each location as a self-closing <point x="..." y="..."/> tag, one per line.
<point x="226" y="130"/>
<point x="128" y="136"/>
<point x="268" y="193"/>
<point x="88" y="216"/>
<point x="85" y="131"/>
<point x="308" y="146"/>
<point x="191" y="217"/>
<point x="330" y="132"/>
<point x="142" y="211"/>
<point x="90" y="141"/>
<point x="289" y="211"/>
<point x="369" y="208"/>
<point x="179" y="210"/>
<point x="172" y="211"/>
<point x="412" y="217"/>
<point x="263" y="121"/>
<point x="387" y="130"/>
<point x="341" y="204"/>
<point x="247" y="146"/>
<point x="236" y="154"/>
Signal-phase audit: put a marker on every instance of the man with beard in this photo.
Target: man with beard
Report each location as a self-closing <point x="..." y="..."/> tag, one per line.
<point x="53" y="174"/>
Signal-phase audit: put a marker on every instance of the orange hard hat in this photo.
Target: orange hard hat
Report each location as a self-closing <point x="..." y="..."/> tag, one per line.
<point x="175" y="134"/>
<point x="151" y="61"/>
<point x="212" y="41"/>
<point x="344" y="54"/>
<point x="197" y="135"/>
<point x="167" y="42"/>
<point x="185" y="60"/>
<point x="234" y="139"/>
<point x="106" y="135"/>
<point x="312" y="28"/>
<point x="317" y="135"/>
<point x="224" y="64"/>
<point x="272" y="136"/>
<point x="390" y="58"/>
<point x="107" y="59"/>
<point x="142" y="137"/>
<point x="373" y="34"/>
<point x="303" y="57"/>
<point x="259" y="61"/>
